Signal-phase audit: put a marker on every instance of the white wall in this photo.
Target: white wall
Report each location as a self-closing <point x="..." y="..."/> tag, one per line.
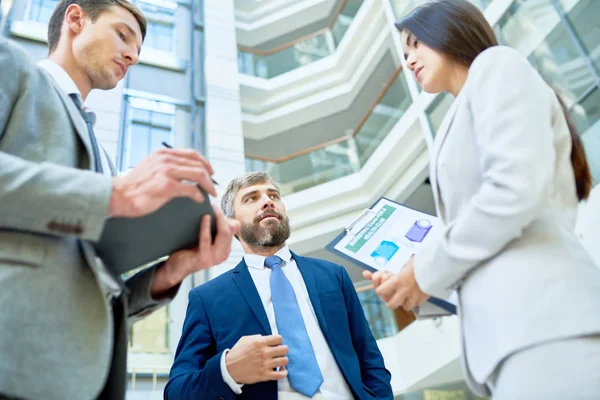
<point x="424" y="354"/>
<point x="224" y="138"/>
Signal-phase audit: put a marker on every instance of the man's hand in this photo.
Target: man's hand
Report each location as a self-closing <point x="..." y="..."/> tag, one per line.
<point x="185" y="262"/>
<point x="255" y="359"/>
<point x="158" y="179"/>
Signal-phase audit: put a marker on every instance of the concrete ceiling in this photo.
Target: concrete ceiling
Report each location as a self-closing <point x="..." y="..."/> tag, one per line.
<point x="326" y="129"/>
<point x="250" y="6"/>
<point x="309" y="28"/>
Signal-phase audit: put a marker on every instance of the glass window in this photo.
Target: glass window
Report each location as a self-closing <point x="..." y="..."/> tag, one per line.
<point x="159" y="9"/>
<point x="380" y="318"/>
<point x="584" y="19"/>
<point x="533" y="27"/>
<point x="151" y="334"/>
<point x="161" y="120"/>
<point x="437" y="111"/>
<point x="141" y="115"/>
<point x="482" y="3"/>
<point x="150" y="123"/>
<point x="160" y="32"/>
<point x="159" y="36"/>
<point x="41" y="10"/>
<point x="138" y="144"/>
<point x="384" y="115"/>
<point x="147" y="128"/>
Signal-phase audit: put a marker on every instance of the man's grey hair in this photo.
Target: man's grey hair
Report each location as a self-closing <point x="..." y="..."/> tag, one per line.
<point x="242" y="182"/>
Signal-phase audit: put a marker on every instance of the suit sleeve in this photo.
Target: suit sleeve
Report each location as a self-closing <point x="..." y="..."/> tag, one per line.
<point x="139" y="300"/>
<point x="196" y="371"/>
<point x="375" y="377"/>
<point x="33" y="195"/>
<point x="511" y="107"/>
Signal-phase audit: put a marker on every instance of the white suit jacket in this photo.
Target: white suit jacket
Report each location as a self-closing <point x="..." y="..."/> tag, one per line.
<point x="505" y="192"/>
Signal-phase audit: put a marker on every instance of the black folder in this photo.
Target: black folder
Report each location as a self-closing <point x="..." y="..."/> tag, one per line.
<point x="128" y="243"/>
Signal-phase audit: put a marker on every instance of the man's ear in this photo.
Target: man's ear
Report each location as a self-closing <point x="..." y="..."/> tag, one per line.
<point x="236" y="235"/>
<point x="75" y="18"/>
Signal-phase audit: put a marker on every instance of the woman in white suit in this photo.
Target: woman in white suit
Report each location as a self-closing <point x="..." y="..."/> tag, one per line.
<point x="507" y="173"/>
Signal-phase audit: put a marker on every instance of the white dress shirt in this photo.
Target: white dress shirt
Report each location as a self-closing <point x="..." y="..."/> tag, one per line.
<point x="334" y="385"/>
<point x="64" y="82"/>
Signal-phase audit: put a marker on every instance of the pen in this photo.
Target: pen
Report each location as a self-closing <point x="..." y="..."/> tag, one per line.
<point x="167" y="145"/>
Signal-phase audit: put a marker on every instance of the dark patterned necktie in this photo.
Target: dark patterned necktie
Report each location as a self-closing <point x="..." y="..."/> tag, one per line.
<point x="89" y="119"/>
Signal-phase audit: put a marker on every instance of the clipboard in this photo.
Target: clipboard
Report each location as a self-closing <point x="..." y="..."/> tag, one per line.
<point x="360" y="223"/>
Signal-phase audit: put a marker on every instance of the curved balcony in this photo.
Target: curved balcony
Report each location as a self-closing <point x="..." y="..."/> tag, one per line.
<point x="248" y="10"/>
<point x="344" y="155"/>
<point x="276" y="23"/>
<point x="297" y="53"/>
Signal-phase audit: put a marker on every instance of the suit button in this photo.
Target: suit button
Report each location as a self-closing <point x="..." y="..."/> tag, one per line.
<point x="221" y="398"/>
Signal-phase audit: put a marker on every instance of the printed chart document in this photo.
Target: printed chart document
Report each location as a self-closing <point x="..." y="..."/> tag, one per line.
<point x="384" y="237"/>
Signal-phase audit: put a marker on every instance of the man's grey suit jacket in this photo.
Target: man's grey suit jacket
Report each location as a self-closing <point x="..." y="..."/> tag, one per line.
<point x="56" y="329"/>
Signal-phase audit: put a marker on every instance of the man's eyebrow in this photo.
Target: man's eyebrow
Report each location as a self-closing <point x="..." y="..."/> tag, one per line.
<point x="249" y="194"/>
<point x="408" y="37"/>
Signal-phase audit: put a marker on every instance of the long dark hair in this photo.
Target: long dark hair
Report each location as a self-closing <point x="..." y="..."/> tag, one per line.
<point x="459" y="30"/>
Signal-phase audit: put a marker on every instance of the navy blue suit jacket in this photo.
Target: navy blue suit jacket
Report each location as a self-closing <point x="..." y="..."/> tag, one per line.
<point x="228" y="307"/>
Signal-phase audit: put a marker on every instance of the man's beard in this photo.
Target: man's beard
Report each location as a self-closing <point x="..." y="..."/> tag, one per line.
<point x="271" y="235"/>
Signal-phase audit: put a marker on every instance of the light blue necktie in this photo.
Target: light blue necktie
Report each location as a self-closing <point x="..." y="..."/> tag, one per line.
<point x="303" y="371"/>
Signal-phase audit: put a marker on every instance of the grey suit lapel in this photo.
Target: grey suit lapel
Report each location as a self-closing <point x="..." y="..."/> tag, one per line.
<point x="77" y="120"/>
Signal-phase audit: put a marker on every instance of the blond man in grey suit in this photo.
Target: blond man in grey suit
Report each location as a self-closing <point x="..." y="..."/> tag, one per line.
<point x="63" y="324"/>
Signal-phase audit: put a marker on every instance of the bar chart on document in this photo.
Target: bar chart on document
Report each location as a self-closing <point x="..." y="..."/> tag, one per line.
<point x="387" y="235"/>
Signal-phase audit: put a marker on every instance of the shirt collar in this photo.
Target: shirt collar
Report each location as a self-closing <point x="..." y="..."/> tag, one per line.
<point x="258" y="262"/>
<point x="60" y="76"/>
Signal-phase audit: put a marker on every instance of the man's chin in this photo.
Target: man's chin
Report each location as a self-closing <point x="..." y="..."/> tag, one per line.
<point x="107" y="83"/>
<point x="270" y="220"/>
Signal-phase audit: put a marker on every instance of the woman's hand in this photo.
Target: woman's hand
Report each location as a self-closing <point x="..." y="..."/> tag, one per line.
<point x="400" y="290"/>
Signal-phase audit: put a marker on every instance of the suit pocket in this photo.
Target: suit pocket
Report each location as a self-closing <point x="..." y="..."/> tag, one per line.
<point x="20" y="248"/>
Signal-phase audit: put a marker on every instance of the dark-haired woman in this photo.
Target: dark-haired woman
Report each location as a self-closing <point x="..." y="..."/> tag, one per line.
<point x="507" y="173"/>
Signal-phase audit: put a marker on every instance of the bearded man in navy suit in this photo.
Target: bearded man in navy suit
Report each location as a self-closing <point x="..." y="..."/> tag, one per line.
<point x="277" y="326"/>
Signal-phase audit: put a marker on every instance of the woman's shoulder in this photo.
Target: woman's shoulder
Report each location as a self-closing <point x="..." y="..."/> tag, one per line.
<point x="499" y="56"/>
<point x="499" y="65"/>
